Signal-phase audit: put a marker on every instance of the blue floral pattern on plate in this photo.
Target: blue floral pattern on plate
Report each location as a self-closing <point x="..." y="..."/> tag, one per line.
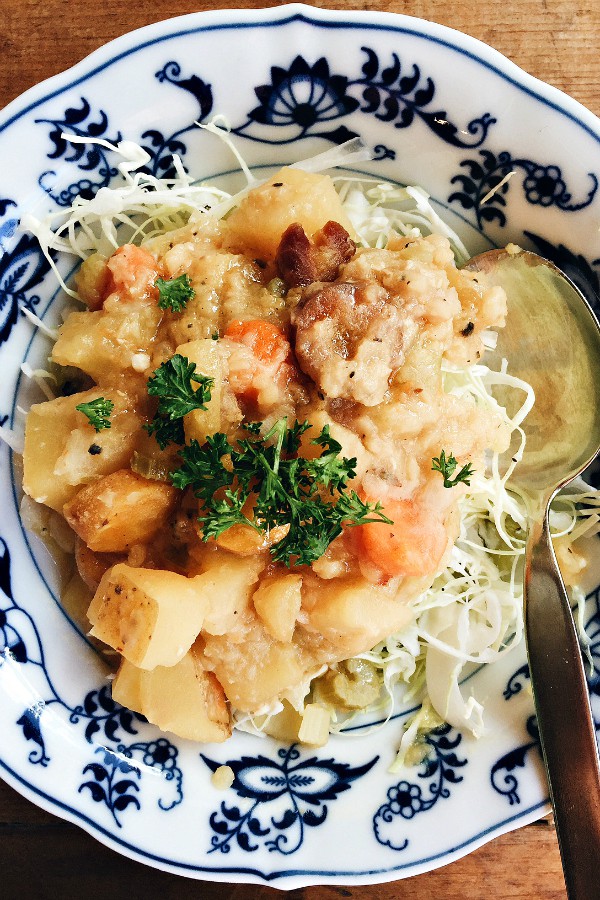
<point x="503" y="776"/>
<point x="542" y="185"/>
<point x="20" y="643"/>
<point x="81" y="123"/>
<point x="406" y="799"/>
<point x="287" y="798"/>
<point x="298" y="101"/>
<point x="22" y="268"/>
<point x="430" y="105"/>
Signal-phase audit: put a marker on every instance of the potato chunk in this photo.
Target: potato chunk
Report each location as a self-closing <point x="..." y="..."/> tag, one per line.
<point x="354" y="614"/>
<point x="290" y="196"/>
<point x="106" y="341"/>
<point x="228" y="580"/>
<point x="151" y="617"/>
<point x="58" y="456"/>
<point x="255" y="669"/>
<point x="92" y="280"/>
<point x="201" y="422"/>
<point x="277" y="603"/>
<point x="119" y="510"/>
<point x="183" y="699"/>
<point x="126" y="688"/>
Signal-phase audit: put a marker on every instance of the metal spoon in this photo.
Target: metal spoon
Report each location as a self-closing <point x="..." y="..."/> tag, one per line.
<point x="552" y="340"/>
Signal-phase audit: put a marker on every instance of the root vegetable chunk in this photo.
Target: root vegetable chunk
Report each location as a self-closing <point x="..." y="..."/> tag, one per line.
<point x="127" y="686"/>
<point x="228" y="581"/>
<point x="290" y="196"/>
<point x="57" y="458"/>
<point x="353" y="614"/>
<point x="152" y="617"/>
<point x="278" y="603"/>
<point x="256" y="670"/>
<point x="183" y="699"/>
<point x="200" y="423"/>
<point x="119" y="510"/>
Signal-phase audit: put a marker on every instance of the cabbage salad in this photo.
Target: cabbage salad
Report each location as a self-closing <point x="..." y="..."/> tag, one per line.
<point x="473" y="612"/>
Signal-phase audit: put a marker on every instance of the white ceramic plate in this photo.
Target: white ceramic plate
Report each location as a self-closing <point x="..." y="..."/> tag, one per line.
<point x="438" y="109"/>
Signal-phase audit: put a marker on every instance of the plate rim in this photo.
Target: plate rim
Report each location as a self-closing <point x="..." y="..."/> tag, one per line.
<point x="287" y="13"/>
<point x="134" y="41"/>
<point x="290" y="879"/>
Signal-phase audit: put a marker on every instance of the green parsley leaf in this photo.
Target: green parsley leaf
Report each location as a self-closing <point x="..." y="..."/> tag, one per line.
<point x="225" y="513"/>
<point x="173" y="384"/>
<point x="329" y="469"/>
<point x="308" y="495"/>
<point x="291" y="438"/>
<point x="447" y="467"/>
<point x="252" y="427"/>
<point x="98" y="412"/>
<point x="166" y="431"/>
<point x="203" y="467"/>
<point x="175" y="294"/>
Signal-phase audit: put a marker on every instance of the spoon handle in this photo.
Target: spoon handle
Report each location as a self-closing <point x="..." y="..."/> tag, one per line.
<point x="564" y="716"/>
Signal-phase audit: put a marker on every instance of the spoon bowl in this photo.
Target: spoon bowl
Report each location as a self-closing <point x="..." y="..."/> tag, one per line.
<point x="552" y="341"/>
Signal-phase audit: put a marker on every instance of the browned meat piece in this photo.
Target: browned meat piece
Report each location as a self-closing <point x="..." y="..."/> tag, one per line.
<point x="333" y="248"/>
<point x="350" y="338"/>
<point x="301" y="261"/>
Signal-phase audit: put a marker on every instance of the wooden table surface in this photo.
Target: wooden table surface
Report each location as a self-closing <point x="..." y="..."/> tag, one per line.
<point x="44" y="857"/>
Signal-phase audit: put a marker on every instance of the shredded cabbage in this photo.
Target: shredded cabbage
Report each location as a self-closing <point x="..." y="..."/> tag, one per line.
<point x="472" y="614"/>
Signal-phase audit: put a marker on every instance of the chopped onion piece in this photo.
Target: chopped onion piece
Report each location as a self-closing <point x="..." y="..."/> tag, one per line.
<point x="314" y="728"/>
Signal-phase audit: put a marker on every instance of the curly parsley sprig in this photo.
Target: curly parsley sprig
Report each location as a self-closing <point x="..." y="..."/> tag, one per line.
<point x="282" y="488"/>
<point x="447" y="467"/>
<point x="176" y="293"/>
<point x="173" y="384"/>
<point x="97" y="412"/>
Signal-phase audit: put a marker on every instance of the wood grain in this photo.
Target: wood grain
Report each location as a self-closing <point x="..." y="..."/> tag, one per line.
<point x="555" y="40"/>
<point x="69" y="864"/>
<point x="44" y="857"/>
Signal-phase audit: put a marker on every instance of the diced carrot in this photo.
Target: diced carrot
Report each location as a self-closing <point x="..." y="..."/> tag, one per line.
<point x="133" y="272"/>
<point x="413" y="545"/>
<point x="267" y="342"/>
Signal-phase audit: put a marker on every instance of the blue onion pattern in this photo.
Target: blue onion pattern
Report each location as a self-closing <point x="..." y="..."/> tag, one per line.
<point x="592" y="631"/>
<point x="108" y="786"/>
<point x="407" y="799"/>
<point x="30" y="723"/>
<point x="301" y="97"/>
<point x="543" y="185"/>
<point x="89" y="157"/>
<point x="23" y="267"/>
<point x="400" y="94"/>
<point x="308" y="99"/>
<point x="502" y="775"/>
<point x="162" y="756"/>
<point x="102" y="713"/>
<point x="161" y="147"/>
<point x="20" y="644"/>
<point x="301" y="101"/>
<point x="516" y="682"/>
<point x="287" y="797"/>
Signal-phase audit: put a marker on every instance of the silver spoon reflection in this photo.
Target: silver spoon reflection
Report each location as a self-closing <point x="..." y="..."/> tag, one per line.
<point x="552" y="341"/>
